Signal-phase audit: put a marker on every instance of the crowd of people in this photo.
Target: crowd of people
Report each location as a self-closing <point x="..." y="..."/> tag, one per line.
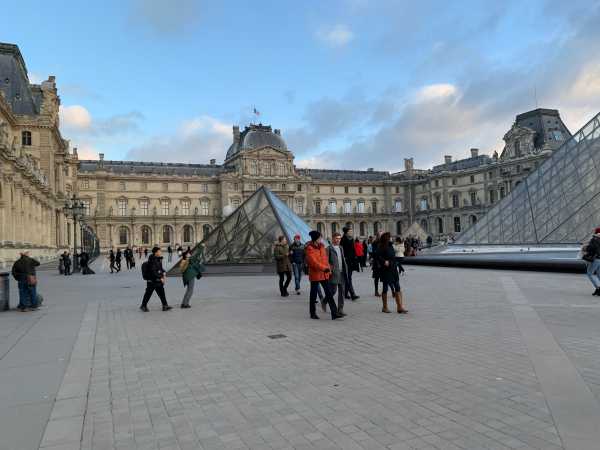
<point x="330" y="265"/>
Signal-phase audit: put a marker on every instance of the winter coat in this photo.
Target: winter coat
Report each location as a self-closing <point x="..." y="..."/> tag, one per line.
<point x="347" y="244"/>
<point x="359" y="250"/>
<point x="389" y="273"/>
<point x="155" y="268"/>
<point x="194" y="267"/>
<point x="282" y="257"/>
<point x="317" y="261"/>
<point x="297" y="250"/>
<point x="66" y="260"/>
<point x="23" y="267"/>
<point x="337" y="276"/>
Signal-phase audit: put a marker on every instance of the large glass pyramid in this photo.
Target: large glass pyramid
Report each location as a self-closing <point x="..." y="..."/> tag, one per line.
<point x="557" y="203"/>
<point x="249" y="233"/>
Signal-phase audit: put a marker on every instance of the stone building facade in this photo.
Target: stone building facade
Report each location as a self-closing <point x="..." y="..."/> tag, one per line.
<point x="37" y="169"/>
<point x="142" y="203"/>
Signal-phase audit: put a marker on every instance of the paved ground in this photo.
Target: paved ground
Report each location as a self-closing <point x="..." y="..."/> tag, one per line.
<point x="485" y="360"/>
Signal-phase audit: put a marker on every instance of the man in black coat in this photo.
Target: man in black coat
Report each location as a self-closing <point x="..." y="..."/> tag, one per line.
<point x="155" y="277"/>
<point x="23" y="271"/>
<point x="351" y="261"/>
<point x="66" y="260"/>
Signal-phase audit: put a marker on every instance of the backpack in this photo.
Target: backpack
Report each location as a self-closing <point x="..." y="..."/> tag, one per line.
<point x="146" y="272"/>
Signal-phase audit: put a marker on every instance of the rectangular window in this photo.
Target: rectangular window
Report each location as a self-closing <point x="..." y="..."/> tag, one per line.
<point x="299" y="188"/>
<point x="332" y="207"/>
<point x="454" y="181"/>
<point x="502" y="194"/>
<point x="455" y="201"/>
<point x="492" y="197"/>
<point x="186" y="187"/>
<point x="317" y="189"/>
<point x="144" y="187"/>
<point x="85" y="183"/>
<point x="361" y="207"/>
<point x="374" y="190"/>
<point x="236" y="186"/>
<point x="122" y="186"/>
<point x="122" y="207"/>
<point x="235" y="203"/>
<point x="86" y="207"/>
<point x="283" y="186"/>
<point x="317" y="207"/>
<point x="204" y="188"/>
<point x="332" y="189"/>
<point x="398" y="206"/>
<point x="473" y="198"/>
<point x="144" y="207"/>
<point x="374" y="207"/>
<point x="360" y="190"/>
<point x="347" y="207"/>
<point x="185" y="207"/>
<point x="299" y="206"/>
<point x="472" y="179"/>
<point x="164" y="207"/>
<point x="397" y="189"/>
<point x="346" y="189"/>
<point x="437" y="183"/>
<point x="204" y="208"/>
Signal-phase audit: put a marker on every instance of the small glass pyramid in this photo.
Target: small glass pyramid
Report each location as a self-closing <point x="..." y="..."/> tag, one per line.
<point x="248" y="234"/>
<point x="559" y="203"/>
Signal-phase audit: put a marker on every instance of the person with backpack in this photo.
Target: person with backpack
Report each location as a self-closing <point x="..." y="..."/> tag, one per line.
<point x="191" y="270"/>
<point x="284" y="267"/>
<point x="591" y="256"/>
<point x="23" y="271"/>
<point x="155" y="276"/>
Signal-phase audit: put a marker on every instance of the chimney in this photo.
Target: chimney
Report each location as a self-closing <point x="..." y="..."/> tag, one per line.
<point x="408" y="164"/>
<point x="75" y="152"/>
<point x="447" y="159"/>
<point x="213" y="162"/>
<point x="277" y="131"/>
<point x="370" y="169"/>
<point x="236" y="134"/>
<point x="101" y="158"/>
<point x="474" y="152"/>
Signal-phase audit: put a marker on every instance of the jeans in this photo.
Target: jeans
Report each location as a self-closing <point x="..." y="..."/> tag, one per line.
<point x="339" y="288"/>
<point x="314" y="287"/>
<point x="152" y="286"/>
<point x="189" y="290"/>
<point x="297" y="269"/>
<point x="283" y="286"/>
<point x="592" y="272"/>
<point x="27" y="295"/>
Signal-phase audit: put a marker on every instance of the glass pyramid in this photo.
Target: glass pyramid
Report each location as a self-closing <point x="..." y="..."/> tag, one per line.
<point x="248" y="234"/>
<point x="557" y="203"/>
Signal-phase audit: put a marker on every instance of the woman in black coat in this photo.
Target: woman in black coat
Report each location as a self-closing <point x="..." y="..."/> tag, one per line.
<point x="388" y="272"/>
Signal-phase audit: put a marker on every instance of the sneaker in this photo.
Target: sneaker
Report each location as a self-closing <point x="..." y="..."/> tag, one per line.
<point x="315" y="317"/>
<point x="354" y="297"/>
<point x="185" y="306"/>
<point x="298" y="292"/>
<point x="167" y="308"/>
<point x="21" y="309"/>
<point x="144" y="308"/>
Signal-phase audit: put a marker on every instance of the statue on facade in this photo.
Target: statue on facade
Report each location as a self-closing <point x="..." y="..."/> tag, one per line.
<point x="3" y="134"/>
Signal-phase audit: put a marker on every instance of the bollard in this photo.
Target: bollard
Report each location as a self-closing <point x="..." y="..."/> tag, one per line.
<point x="4" y="291"/>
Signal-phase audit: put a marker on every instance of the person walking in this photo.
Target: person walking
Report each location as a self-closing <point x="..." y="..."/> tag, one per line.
<point x="66" y="262"/>
<point x="399" y="254"/>
<point x="154" y="274"/>
<point x="339" y="272"/>
<point x="145" y="252"/>
<point x="375" y="269"/>
<point x="359" y="252"/>
<point x="128" y="253"/>
<point x="319" y="272"/>
<point x="84" y="262"/>
<point x="191" y="270"/>
<point x="347" y="244"/>
<point x="118" y="258"/>
<point x="386" y="260"/>
<point x="23" y="271"/>
<point x="297" y="257"/>
<point x="284" y="267"/>
<point x="169" y="253"/>
<point x="112" y="259"/>
<point x="591" y="256"/>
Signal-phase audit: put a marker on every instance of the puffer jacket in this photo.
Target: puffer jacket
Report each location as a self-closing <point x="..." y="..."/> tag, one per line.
<point x="317" y="261"/>
<point x="23" y="267"/>
<point x="282" y="257"/>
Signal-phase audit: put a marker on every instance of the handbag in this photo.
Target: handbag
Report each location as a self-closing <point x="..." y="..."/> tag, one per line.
<point x="31" y="280"/>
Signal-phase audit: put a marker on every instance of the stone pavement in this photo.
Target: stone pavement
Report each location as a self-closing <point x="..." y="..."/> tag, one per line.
<point x="485" y="360"/>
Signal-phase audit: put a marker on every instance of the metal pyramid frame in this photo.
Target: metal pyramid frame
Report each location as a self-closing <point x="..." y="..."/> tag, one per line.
<point x="558" y="203"/>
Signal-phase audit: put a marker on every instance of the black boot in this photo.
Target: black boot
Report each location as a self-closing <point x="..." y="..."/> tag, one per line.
<point x="144" y="308"/>
<point x="597" y="291"/>
<point x="167" y="307"/>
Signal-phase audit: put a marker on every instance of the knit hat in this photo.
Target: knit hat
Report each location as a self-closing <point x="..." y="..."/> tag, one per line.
<point x="314" y="235"/>
<point x="297" y="236"/>
<point x="597" y="230"/>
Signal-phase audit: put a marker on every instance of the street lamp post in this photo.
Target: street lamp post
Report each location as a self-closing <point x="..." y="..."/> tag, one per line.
<point x="74" y="207"/>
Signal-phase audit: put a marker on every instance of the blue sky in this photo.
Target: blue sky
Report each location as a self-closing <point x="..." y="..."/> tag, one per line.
<point x="351" y="83"/>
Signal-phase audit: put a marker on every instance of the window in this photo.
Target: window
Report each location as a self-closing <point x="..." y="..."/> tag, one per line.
<point x="472" y="179"/>
<point x="123" y="235"/>
<point x="557" y="134"/>
<point x="437" y="183"/>
<point x="167" y="233"/>
<point x="122" y="207"/>
<point x="317" y="189"/>
<point x="374" y="190"/>
<point x="317" y="207"/>
<point x="299" y="206"/>
<point x="205" y="231"/>
<point x="518" y="168"/>
<point x="374" y="207"/>
<point x="424" y="224"/>
<point x="283" y="186"/>
<point x="85" y="183"/>
<point x="454" y="181"/>
<point x="332" y="189"/>
<point x="86" y="207"/>
<point x="204" y="188"/>
<point x="423" y="204"/>
<point x="253" y="167"/>
<point x="492" y="196"/>
<point x="334" y="228"/>
<point x="455" y="200"/>
<point x="440" y="225"/>
<point x="457" y="224"/>
<point x="144" y="186"/>
<point x="376" y="227"/>
<point x="346" y="189"/>
<point x="122" y="186"/>
<point x="399" y="228"/>
<point x="235" y="203"/>
<point x="502" y="193"/>
<point x="397" y="189"/>
<point x="517" y="148"/>
<point x="347" y="207"/>
<point x="332" y="207"/>
<point x="164" y="208"/>
<point x="204" y="207"/>
<point x="438" y="201"/>
<point x="398" y="206"/>
<point x="236" y="186"/>
<point x="186" y="187"/>
<point x="360" y="207"/>
<point x="299" y="188"/>
<point x="252" y="186"/>
<point x="473" y="220"/>
<point x="320" y="227"/>
<point x="473" y="198"/>
<point x="144" y="207"/>
<point x="146" y="235"/>
<point x="26" y="138"/>
<point x="187" y="234"/>
<point x="360" y="190"/>
<point x="185" y="208"/>
<point x="363" y="228"/>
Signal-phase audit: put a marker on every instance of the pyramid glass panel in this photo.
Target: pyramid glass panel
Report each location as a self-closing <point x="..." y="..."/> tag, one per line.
<point x="557" y="203"/>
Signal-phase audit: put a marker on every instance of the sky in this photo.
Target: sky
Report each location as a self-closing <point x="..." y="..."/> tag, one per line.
<point x="351" y="83"/>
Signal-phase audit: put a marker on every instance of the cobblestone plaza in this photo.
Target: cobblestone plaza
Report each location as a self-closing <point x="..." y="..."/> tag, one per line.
<point x="484" y="360"/>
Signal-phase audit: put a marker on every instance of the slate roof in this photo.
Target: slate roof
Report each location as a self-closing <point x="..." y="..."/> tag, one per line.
<point x="256" y="136"/>
<point x="22" y="97"/>
<point x="141" y="167"/>
<point x="545" y="122"/>
<point x="350" y="175"/>
<point x="463" y="164"/>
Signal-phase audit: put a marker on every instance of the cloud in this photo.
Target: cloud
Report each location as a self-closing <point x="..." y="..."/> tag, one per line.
<point x="35" y="78"/>
<point x="168" y="17"/>
<point x="87" y="151"/>
<point x="76" y="120"/>
<point x="335" y="36"/>
<point x="196" y="140"/>
<point x="75" y="117"/>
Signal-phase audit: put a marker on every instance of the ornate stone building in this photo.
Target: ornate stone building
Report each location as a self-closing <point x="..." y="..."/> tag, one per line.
<point x="37" y="170"/>
<point x="141" y="203"/>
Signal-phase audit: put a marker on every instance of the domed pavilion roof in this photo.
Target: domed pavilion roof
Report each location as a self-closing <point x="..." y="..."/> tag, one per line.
<point x="254" y="137"/>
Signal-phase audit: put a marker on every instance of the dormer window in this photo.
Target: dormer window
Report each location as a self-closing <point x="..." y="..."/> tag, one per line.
<point x="26" y="138"/>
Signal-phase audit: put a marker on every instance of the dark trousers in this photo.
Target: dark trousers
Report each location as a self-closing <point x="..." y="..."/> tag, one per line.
<point x="118" y="265"/>
<point x="67" y="269"/>
<point x="112" y="265"/>
<point x="314" y="287"/>
<point x="152" y="286"/>
<point x="128" y="261"/>
<point x="348" y="287"/>
<point x="284" y="285"/>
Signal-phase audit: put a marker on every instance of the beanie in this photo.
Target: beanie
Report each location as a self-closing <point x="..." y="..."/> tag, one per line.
<point x="314" y="235"/>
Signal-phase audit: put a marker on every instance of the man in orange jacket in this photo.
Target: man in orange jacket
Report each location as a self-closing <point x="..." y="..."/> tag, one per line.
<point x="318" y="274"/>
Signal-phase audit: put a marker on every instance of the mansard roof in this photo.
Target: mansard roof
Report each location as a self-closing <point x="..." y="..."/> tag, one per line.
<point x="545" y="123"/>
<point x="254" y="137"/>
<point x="142" y="167"/>
<point x="463" y="164"/>
<point x="22" y="97"/>
<point x="341" y="175"/>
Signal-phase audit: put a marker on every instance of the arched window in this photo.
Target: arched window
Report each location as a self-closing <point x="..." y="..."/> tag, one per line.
<point x="424" y="225"/>
<point x="26" y="138"/>
<point x="376" y="227"/>
<point x="457" y="224"/>
<point x="440" y="225"/>
<point x="363" y="228"/>
<point x="399" y="228"/>
<point x="205" y="231"/>
<point x="473" y="220"/>
<point x="320" y="227"/>
<point x="146" y="235"/>
<point x="188" y="232"/>
<point x="167" y="234"/>
<point x="123" y="235"/>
